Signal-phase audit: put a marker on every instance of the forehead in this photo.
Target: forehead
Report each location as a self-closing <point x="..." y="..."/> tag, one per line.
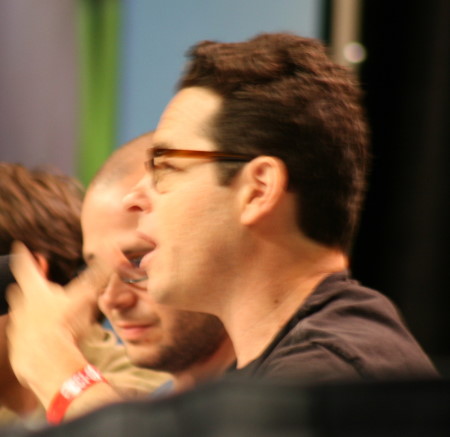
<point x="185" y="121"/>
<point x="103" y="201"/>
<point x="103" y="218"/>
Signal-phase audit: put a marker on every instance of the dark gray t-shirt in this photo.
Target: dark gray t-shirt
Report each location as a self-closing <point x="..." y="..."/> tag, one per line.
<point x="343" y="331"/>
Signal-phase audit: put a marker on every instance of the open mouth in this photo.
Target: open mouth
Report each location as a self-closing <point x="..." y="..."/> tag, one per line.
<point x="134" y="280"/>
<point x="136" y="261"/>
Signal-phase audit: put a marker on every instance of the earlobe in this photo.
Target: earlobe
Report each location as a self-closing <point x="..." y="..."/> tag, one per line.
<point x="265" y="182"/>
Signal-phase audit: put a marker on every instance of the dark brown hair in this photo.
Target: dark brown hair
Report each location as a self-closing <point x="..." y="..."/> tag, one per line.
<point x="283" y="96"/>
<point x="42" y="209"/>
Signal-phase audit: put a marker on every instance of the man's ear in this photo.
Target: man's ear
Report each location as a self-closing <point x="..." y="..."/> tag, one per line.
<point x="265" y="180"/>
<point x="42" y="262"/>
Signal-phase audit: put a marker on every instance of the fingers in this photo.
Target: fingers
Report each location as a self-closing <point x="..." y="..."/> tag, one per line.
<point x="85" y="288"/>
<point x="13" y="295"/>
<point x="91" y="281"/>
<point x="96" y="277"/>
<point x="25" y="269"/>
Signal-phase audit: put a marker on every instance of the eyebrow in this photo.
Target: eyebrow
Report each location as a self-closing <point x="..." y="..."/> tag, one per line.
<point x="160" y="145"/>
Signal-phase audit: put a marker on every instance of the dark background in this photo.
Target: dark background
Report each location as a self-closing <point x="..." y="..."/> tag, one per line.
<point x="404" y="236"/>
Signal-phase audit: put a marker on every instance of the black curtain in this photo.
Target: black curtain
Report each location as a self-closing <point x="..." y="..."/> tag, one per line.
<point x="403" y="244"/>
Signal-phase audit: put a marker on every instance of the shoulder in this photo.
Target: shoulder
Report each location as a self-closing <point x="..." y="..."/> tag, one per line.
<point x="345" y="331"/>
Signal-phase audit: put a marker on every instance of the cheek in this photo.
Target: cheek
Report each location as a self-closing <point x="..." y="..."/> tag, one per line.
<point x="193" y="225"/>
<point x="204" y="240"/>
<point x="177" y="216"/>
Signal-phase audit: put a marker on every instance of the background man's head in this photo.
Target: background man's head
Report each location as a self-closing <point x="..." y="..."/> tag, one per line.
<point x="42" y="209"/>
<point x="155" y="336"/>
<point x="282" y="96"/>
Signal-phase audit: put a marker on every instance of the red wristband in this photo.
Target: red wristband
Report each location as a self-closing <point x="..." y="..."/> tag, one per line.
<point x="70" y="389"/>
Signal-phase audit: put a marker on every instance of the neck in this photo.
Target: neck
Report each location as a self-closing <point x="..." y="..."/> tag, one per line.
<point x="274" y="289"/>
<point x="208" y="369"/>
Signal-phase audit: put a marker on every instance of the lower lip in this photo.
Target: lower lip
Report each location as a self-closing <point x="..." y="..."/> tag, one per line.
<point x="134" y="333"/>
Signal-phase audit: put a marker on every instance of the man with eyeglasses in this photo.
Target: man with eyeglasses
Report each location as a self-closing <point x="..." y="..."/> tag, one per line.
<point x="251" y="203"/>
<point x="252" y="198"/>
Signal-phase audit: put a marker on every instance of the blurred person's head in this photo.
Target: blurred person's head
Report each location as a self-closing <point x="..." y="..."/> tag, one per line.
<point x="42" y="209"/>
<point x="155" y="336"/>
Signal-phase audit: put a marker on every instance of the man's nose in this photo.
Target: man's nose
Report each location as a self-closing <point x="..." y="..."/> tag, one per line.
<point x="117" y="295"/>
<point x="139" y="198"/>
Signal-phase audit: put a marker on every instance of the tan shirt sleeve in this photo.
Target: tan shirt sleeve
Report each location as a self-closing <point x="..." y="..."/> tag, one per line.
<point x="102" y="350"/>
